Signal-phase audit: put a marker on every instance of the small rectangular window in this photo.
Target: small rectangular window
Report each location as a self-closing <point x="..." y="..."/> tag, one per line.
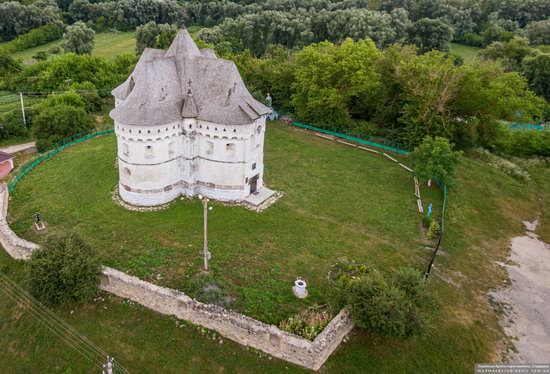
<point x="254" y="166"/>
<point x="171" y="149"/>
<point x="230" y="149"/>
<point x="209" y="147"/>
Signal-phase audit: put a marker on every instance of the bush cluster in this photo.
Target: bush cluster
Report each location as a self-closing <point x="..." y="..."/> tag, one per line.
<point x="387" y="304"/>
<point x="64" y="270"/>
<point x="35" y="37"/>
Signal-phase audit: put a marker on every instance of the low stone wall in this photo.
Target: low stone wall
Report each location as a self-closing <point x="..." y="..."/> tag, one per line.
<point x="17" y="248"/>
<point x="234" y="326"/>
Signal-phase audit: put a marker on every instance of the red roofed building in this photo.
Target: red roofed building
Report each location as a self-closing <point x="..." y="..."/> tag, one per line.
<point x="6" y="164"/>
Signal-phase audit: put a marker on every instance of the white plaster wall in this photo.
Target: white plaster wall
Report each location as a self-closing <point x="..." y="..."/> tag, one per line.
<point x="190" y="169"/>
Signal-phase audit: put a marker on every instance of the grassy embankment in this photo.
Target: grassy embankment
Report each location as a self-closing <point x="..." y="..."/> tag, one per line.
<point x="338" y="201"/>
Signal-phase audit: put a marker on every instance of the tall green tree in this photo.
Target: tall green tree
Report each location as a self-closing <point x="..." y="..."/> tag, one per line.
<point x="536" y="69"/>
<point x="429" y="34"/>
<point x="334" y="84"/>
<point x="435" y="157"/>
<point x="78" y="38"/>
<point x="539" y="32"/>
<point x="152" y="35"/>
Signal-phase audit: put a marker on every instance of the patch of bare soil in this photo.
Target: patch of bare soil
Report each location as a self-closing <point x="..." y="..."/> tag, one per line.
<point x="526" y="302"/>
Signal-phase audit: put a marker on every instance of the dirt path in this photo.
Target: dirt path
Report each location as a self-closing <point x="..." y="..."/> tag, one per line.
<point x="18" y="147"/>
<point x="527" y="316"/>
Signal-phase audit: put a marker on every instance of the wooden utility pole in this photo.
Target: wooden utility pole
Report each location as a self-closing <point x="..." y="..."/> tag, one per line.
<point x="23" y="109"/>
<point x="206" y="253"/>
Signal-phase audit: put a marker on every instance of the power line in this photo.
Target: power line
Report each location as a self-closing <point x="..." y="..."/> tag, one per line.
<point x="57" y="325"/>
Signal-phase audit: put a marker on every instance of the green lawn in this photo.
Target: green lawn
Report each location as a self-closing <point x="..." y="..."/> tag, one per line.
<point x="365" y="210"/>
<point x="337" y="201"/>
<point x="107" y="45"/>
<point x="468" y="53"/>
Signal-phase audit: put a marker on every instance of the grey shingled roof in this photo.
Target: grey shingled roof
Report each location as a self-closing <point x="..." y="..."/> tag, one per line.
<point x="185" y="82"/>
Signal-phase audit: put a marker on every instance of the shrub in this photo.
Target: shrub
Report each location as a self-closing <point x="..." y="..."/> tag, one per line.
<point x="88" y="92"/>
<point x="410" y="281"/>
<point x="65" y="270"/>
<point x="54" y="49"/>
<point x="11" y="126"/>
<point x="35" y="37"/>
<point x="308" y="323"/>
<point x="388" y="305"/>
<point x="378" y="306"/>
<point x="40" y="56"/>
<point x="340" y="276"/>
<point x="53" y="124"/>
<point x="434" y="229"/>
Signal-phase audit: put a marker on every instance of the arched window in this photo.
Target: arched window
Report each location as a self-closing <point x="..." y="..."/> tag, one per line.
<point x="125" y="149"/>
<point x="127" y="172"/>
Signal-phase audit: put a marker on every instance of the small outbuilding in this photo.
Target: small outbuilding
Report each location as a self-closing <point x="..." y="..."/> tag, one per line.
<point x="187" y="125"/>
<point x="6" y="164"/>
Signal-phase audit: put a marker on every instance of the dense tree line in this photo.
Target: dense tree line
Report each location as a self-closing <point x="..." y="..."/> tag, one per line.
<point x="17" y="19"/>
<point x="125" y="15"/>
<point x="396" y="93"/>
<point x="78" y="85"/>
<point x="517" y="55"/>
<point x="429" y="24"/>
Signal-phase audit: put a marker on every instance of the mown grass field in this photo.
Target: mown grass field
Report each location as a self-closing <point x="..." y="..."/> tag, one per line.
<point x="107" y="44"/>
<point x="468" y="53"/>
<point x="337" y="202"/>
<point x="368" y="217"/>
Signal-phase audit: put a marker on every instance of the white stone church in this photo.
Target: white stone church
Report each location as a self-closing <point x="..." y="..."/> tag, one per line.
<point x="187" y="125"/>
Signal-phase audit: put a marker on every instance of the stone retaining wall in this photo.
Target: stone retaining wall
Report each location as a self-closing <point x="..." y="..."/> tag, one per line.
<point x="232" y="325"/>
<point x="18" y="248"/>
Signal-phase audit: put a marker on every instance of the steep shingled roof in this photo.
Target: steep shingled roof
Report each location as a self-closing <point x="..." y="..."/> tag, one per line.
<point x="185" y="82"/>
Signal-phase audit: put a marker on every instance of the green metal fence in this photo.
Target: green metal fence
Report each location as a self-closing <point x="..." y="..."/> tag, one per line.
<point x="392" y="147"/>
<point x="24" y="169"/>
<point x="443" y="189"/>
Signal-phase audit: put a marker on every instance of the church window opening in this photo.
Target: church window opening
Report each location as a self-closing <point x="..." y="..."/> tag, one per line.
<point x="209" y="148"/>
<point x="230" y="149"/>
<point x="171" y="149"/>
<point x="125" y="149"/>
<point x="149" y="151"/>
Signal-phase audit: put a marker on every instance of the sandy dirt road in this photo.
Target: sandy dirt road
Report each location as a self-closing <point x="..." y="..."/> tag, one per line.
<point x="527" y="315"/>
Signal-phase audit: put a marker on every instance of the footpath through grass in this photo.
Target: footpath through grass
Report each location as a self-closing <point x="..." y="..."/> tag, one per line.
<point x="485" y="209"/>
<point x="338" y="202"/>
